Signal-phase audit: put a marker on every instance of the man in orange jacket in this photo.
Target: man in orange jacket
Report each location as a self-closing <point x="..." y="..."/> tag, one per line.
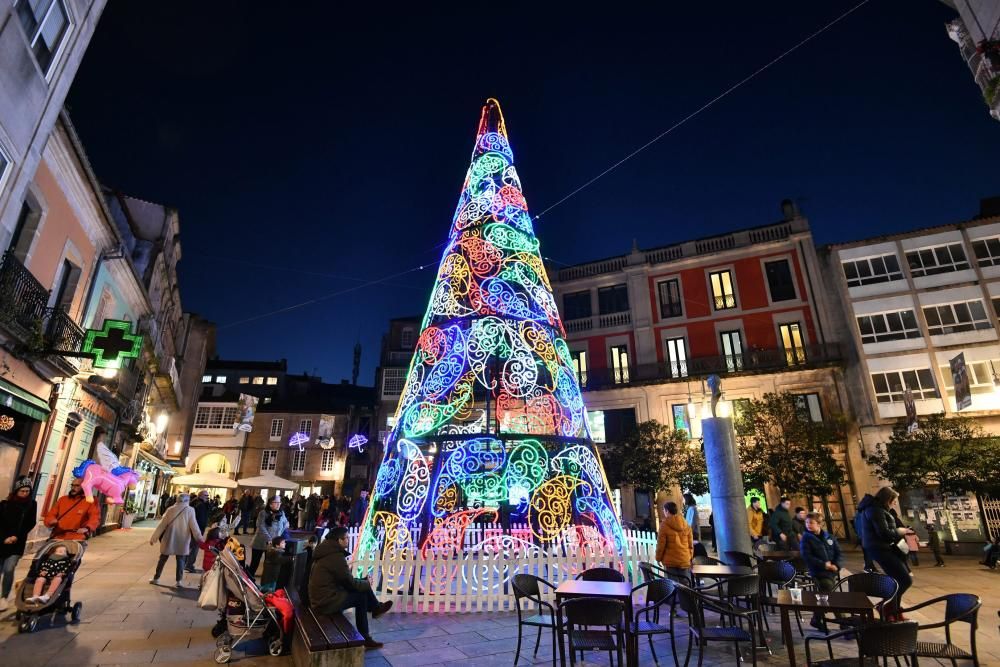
<point x="72" y="517"/>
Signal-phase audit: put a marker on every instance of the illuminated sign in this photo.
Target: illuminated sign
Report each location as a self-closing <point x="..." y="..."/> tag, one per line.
<point x="298" y="439"/>
<point x="357" y="442"/>
<point x="112" y="344"/>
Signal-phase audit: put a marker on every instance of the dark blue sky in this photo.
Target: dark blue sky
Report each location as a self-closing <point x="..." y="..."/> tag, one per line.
<point x="309" y="147"/>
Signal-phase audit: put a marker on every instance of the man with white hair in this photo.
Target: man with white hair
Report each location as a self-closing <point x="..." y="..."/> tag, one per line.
<point x="176" y="532"/>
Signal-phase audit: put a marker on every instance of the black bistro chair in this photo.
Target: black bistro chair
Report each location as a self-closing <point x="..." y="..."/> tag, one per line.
<point x="694" y="604"/>
<point x="651" y="571"/>
<point x="526" y="586"/>
<point x="579" y="616"/>
<point x="874" y="585"/>
<point x="778" y="573"/>
<point x="876" y="640"/>
<point x="660" y="593"/>
<point x="739" y="558"/>
<point x="601" y="574"/>
<point x="959" y="608"/>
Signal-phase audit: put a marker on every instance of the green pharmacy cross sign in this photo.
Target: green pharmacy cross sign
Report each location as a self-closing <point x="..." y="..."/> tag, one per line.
<point x="112" y="344"/>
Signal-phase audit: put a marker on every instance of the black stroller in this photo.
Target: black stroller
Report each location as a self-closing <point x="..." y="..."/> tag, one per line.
<point x="28" y="613"/>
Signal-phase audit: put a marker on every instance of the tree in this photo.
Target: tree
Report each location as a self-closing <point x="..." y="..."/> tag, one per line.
<point x="654" y="457"/>
<point x="779" y="443"/>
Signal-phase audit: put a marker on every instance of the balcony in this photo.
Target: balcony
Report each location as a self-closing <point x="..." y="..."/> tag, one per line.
<point x="23" y="302"/>
<point x="754" y="361"/>
<point x="62" y="334"/>
<point x="609" y="321"/>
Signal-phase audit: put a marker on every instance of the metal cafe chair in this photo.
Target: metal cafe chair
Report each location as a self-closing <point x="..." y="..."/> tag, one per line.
<point x="579" y="615"/>
<point x="739" y="558"/>
<point x="875" y="640"/>
<point x="959" y="608"/>
<point x="646" y="619"/>
<point x="601" y="574"/>
<point x="780" y="574"/>
<point x="695" y="604"/>
<point x="526" y="586"/>
<point x="651" y="571"/>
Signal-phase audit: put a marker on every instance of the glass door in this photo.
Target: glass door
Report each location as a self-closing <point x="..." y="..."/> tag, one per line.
<point x="791" y="343"/>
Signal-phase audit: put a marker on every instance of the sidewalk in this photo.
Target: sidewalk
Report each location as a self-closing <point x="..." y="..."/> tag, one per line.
<point x="128" y="621"/>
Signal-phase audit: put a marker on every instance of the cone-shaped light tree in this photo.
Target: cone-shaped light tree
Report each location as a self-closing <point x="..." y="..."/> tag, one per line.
<point x="491" y="418"/>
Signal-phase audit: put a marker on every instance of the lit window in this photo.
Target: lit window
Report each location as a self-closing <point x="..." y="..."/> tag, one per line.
<point x="393" y="381"/>
<point x="272" y="380"/>
<point x="882" y="327"/>
<point x="267" y="399"/>
<point x="872" y="270"/>
<point x="939" y="259"/>
<point x="682" y="420"/>
<point x="732" y="349"/>
<point x="269" y="460"/>
<point x="277" y="428"/>
<point x="595" y="419"/>
<point x="306" y="426"/>
<point x="221" y="379"/>
<point x="326" y="463"/>
<point x="722" y="289"/>
<point x="677" y="358"/>
<point x="580" y="366"/>
<point x="987" y="250"/>
<point x="201" y="417"/>
<point x="45" y="24"/>
<point x="956" y="318"/>
<point x="619" y="363"/>
<point x="980" y="374"/>
<point x="206" y="378"/>
<point x="298" y="462"/>
<point x="258" y="380"/>
<point x="244" y="380"/>
<point x="890" y="387"/>
<point x="792" y="344"/>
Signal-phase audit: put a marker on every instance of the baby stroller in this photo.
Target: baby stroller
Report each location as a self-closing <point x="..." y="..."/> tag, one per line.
<point x="247" y="615"/>
<point x="28" y="613"/>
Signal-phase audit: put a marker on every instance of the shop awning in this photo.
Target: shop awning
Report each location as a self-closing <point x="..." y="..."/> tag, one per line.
<point x="23" y="401"/>
<point x="211" y="480"/>
<point x="269" y="482"/>
<point x="157" y="462"/>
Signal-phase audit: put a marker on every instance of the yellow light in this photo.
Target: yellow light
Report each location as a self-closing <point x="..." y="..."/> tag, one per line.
<point x="161" y="422"/>
<point x="177" y="446"/>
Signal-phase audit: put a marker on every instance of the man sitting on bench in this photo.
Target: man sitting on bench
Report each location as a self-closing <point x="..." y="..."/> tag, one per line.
<point x="332" y="589"/>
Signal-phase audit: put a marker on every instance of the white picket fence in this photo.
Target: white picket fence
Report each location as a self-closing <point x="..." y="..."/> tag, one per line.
<point x="479" y="580"/>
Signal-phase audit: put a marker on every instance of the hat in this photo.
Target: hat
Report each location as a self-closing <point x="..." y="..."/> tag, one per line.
<point x="23" y="482"/>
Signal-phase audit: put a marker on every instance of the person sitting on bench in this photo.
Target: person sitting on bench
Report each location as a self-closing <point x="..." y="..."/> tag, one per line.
<point x="332" y="588"/>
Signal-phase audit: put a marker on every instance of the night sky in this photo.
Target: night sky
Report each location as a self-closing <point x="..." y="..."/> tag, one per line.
<point x="310" y="150"/>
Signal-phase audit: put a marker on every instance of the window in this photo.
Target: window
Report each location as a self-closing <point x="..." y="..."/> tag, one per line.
<point x="326" y="463"/>
<point x="872" y="270"/>
<point x="206" y="378"/>
<point x="939" y="259"/>
<point x="298" y="461"/>
<point x="271" y="380"/>
<point x="882" y="327"/>
<point x="677" y="364"/>
<point x="576" y="306"/>
<point x="306" y="426"/>
<point x="45" y="23"/>
<point x="4" y="163"/>
<point x="980" y="374"/>
<point x="670" y="298"/>
<point x="267" y="399"/>
<point x="580" y="366"/>
<point x="987" y="250"/>
<point x="406" y="338"/>
<point x="779" y="280"/>
<point x="269" y="460"/>
<point x="393" y="380"/>
<point x="595" y="419"/>
<point x="244" y="379"/>
<point x="732" y="349"/>
<point x="259" y="379"/>
<point x="277" y="428"/>
<point x="619" y="364"/>
<point x="612" y="299"/>
<point x="68" y="282"/>
<point x="890" y="386"/>
<point x="221" y="379"/>
<point x="956" y="317"/>
<point x="996" y="306"/>
<point x="808" y="407"/>
<point x="216" y="416"/>
<point x="722" y="289"/>
<point x="681" y="418"/>
<point x="791" y="343"/>
<point x="28" y="220"/>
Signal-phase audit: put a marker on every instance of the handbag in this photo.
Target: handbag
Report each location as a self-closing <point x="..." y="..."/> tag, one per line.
<point x="211" y="589"/>
<point x="903" y="547"/>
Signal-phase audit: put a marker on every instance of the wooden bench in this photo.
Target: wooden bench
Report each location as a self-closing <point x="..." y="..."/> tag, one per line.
<point x="324" y="640"/>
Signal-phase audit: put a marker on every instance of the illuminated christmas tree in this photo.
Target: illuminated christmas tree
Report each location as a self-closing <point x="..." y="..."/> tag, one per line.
<point x="491" y="419"/>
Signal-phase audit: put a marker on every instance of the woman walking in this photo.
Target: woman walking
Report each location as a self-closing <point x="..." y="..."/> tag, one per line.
<point x="271" y="523"/>
<point x="176" y="530"/>
<point x="17" y="518"/>
<point x="879" y="534"/>
<point x="691" y="516"/>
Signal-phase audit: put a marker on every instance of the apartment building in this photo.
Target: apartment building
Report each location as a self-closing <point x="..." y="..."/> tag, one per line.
<point x="398" y="344"/>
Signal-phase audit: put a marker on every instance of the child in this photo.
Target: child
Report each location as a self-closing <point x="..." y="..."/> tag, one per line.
<point x="913" y="544"/>
<point x="934" y="542"/>
<point x="213" y="540"/>
<point x="274" y="559"/>
<point x="53" y="568"/>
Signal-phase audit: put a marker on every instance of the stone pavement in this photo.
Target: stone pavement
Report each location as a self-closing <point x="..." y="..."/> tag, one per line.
<point x="128" y="621"/>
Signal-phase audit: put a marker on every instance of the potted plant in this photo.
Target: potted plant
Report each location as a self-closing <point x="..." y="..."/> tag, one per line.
<point x="128" y="514"/>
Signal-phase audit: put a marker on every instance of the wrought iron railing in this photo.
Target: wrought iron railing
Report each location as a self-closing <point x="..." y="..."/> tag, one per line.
<point x="22" y="301"/>
<point x="62" y="334"/>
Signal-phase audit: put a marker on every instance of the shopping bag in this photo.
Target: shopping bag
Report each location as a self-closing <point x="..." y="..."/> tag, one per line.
<point x="212" y="592"/>
<point x="903" y="547"/>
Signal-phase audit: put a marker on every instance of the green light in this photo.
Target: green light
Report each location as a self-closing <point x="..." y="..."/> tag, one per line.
<point x="112" y="344"/>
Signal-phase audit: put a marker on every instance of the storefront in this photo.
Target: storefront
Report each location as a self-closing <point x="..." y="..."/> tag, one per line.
<point x="154" y="480"/>
<point x="22" y="415"/>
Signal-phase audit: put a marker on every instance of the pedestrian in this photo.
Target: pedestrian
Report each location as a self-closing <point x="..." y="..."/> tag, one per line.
<point x="258" y="506"/>
<point x="934" y="542"/>
<point x="880" y="535"/>
<point x="230" y="521"/>
<point x="865" y="503"/>
<point x="799" y="524"/>
<point x="782" y="530"/>
<point x="913" y="544"/>
<point x="17" y="517"/>
<point x="72" y="517"/>
<point x="755" y="520"/>
<point x="214" y="539"/>
<point x="333" y="589"/>
<point x="202" y="507"/>
<point x="271" y="523"/>
<point x="246" y="509"/>
<point x="274" y="560"/>
<point x="711" y="529"/>
<point x="359" y="509"/>
<point x="176" y="532"/>
<point x="300" y="512"/>
<point x="822" y="556"/>
<point x="675" y="545"/>
<point x="691" y="515"/>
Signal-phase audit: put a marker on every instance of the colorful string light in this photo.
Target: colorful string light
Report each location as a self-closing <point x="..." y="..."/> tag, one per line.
<point x="491" y="417"/>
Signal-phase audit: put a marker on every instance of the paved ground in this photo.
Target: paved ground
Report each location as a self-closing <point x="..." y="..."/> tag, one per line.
<point x="128" y="621"/>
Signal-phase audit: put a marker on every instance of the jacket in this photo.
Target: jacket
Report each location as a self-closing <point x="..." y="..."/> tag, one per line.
<point x="68" y="515"/>
<point x="799" y="526"/>
<point x="878" y="530"/>
<point x="817" y="551"/>
<point x="17" y="518"/>
<point x="262" y="538"/>
<point x="674" y="544"/>
<point x="176" y="530"/>
<point x="755" y="519"/>
<point x="273" y="560"/>
<point x="691" y="516"/>
<point x="358" y="511"/>
<point x="201" y="510"/>
<point x="781" y="522"/>
<point x="859" y="513"/>
<point x="330" y="580"/>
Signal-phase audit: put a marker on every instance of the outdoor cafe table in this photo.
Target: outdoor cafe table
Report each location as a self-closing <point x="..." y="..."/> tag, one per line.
<point x="850" y="603"/>
<point x="576" y="588"/>
<point x="780" y="555"/>
<point x="721" y="571"/>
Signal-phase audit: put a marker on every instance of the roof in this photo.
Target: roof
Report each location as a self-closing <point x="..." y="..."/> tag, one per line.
<point x="322" y="397"/>
<point x="228" y="364"/>
<point x="922" y="231"/>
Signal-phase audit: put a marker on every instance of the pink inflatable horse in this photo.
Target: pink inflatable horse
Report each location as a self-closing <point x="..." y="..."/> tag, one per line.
<point x="112" y="484"/>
